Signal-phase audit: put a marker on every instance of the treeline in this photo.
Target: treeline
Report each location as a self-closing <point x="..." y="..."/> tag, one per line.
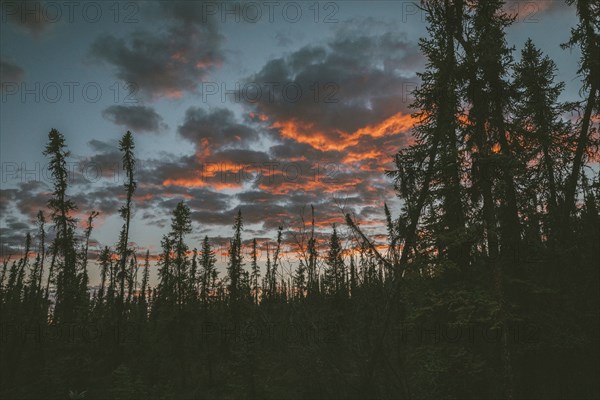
<point x="489" y="286"/>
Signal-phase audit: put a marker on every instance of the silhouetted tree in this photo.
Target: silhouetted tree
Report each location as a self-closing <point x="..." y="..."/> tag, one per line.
<point x="537" y="115"/>
<point x="255" y="272"/>
<point x="586" y="35"/>
<point x="144" y="287"/>
<point x="208" y="271"/>
<point x="126" y="146"/>
<point x="181" y="224"/>
<point x="334" y="276"/>
<point x="105" y="269"/>
<point x="299" y="283"/>
<point x="64" y="224"/>
<point x="235" y="264"/>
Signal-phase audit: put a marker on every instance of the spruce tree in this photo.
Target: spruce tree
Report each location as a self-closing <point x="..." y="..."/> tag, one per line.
<point x="61" y="208"/>
<point x="208" y="271"/>
<point x="255" y="272"/>
<point x="126" y="146"/>
<point x="235" y="264"/>
<point x="335" y="271"/>
<point x="181" y="224"/>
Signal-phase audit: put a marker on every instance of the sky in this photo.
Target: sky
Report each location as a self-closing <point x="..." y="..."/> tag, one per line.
<point x="266" y="106"/>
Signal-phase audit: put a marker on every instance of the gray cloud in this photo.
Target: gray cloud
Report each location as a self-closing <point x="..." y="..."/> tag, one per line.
<point x="286" y="38"/>
<point x="27" y="15"/>
<point x="214" y="130"/>
<point x="6" y="196"/>
<point x="170" y="61"/>
<point x="10" y="72"/>
<point x="30" y="197"/>
<point x="368" y="75"/>
<point x="100" y="146"/>
<point x="135" y="118"/>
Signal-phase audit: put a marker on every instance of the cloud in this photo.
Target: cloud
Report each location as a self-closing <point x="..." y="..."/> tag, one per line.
<point x="283" y="156"/>
<point x="135" y="118"/>
<point x="170" y="61"/>
<point x="6" y="196"/>
<point x="27" y="15"/>
<point x="214" y="130"/>
<point x="100" y="146"/>
<point x="10" y="72"/>
<point x="331" y="153"/>
<point x="286" y="38"/>
<point x="279" y="156"/>
<point x="354" y="86"/>
<point x="28" y="197"/>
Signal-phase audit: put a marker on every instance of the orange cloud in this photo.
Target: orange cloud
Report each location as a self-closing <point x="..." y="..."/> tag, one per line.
<point x="261" y="117"/>
<point x="174" y="94"/>
<point x="395" y="124"/>
<point x="306" y="132"/>
<point x="201" y="182"/>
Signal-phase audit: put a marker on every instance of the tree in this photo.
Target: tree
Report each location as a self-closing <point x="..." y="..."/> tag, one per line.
<point x="587" y="36"/>
<point x="234" y="268"/>
<point x="334" y="276"/>
<point x="105" y="269"/>
<point x="193" y="284"/>
<point x="166" y="285"/>
<point x="18" y="286"/>
<point x="299" y="283"/>
<point x="276" y="259"/>
<point x="433" y="164"/>
<point x="41" y="219"/>
<point x="312" y="285"/>
<point x="537" y="120"/>
<point x="268" y="280"/>
<point x="64" y="224"/>
<point x="353" y="276"/>
<point x="126" y="146"/>
<point x="181" y="224"/>
<point x="144" y="288"/>
<point x="132" y="277"/>
<point x="83" y="277"/>
<point x="488" y="61"/>
<point x="35" y="278"/>
<point x="255" y="272"/>
<point x="208" y="271"/>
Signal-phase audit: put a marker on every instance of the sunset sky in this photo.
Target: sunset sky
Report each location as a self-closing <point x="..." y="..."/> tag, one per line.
<point x="265" y="106"/>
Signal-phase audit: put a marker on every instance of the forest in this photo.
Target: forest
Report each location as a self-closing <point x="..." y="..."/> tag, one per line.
<point x="488" y="285"/>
